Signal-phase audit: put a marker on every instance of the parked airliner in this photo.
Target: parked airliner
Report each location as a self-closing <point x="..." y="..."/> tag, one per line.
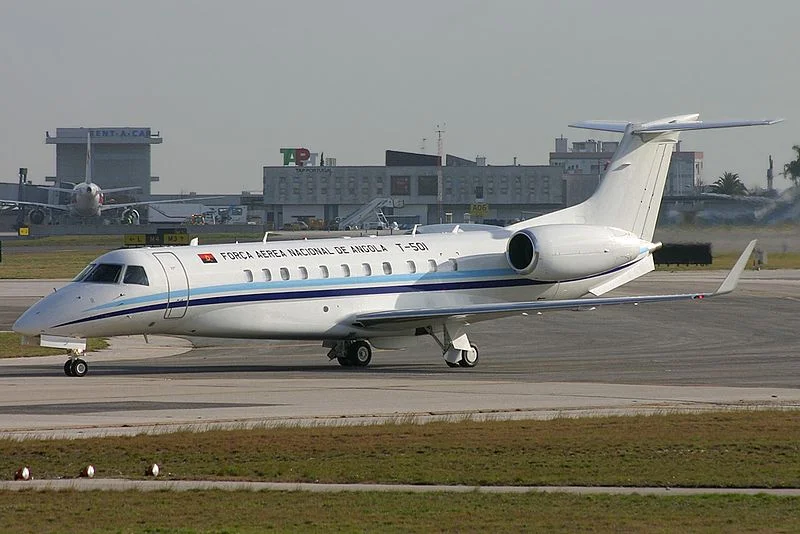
<point x="87" y="199"/>
<point x="356" y="294"/>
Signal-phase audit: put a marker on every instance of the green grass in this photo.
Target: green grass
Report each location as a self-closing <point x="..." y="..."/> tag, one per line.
<point x="219" y="511"/>
<point x="11" y="347"/>
<point x="727" y="449"/>
<point x="31" y="264"/>
<point x="776" y="260"/>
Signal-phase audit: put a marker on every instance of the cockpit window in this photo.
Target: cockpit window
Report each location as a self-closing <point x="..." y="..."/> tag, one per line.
<point x="84" y="272"/>
<point x="134" y="274"/>
<point x="104" y="273"/>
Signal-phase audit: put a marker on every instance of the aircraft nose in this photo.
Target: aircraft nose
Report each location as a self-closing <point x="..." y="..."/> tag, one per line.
<point x="30" y="323"/>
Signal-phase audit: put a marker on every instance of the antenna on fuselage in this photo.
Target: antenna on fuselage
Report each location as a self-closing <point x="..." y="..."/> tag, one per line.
<point x="414" y="230"/>
<point x="266" y="235"/>
<point x="194" y="242"/>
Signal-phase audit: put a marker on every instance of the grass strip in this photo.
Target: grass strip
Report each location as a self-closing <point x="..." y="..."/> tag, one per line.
<point x="219" y="511"/>
<point x="726" y="449"/>
<point x="32" y="264"/>
<point x="10" y="347"/>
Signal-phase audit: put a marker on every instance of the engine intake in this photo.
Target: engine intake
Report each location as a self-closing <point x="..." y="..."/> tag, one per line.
<point x="521" y="252"/>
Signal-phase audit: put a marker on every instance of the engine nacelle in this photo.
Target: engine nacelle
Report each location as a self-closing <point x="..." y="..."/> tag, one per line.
<point x="561" y="252"/>
<point x="37" y="216"/>
<point x="130" y="216"/>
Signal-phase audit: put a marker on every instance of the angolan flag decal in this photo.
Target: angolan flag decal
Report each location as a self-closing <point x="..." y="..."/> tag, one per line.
<point x="207" y="258"/>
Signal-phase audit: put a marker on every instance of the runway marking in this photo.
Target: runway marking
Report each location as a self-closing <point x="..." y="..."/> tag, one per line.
<point x="191" y="485"/>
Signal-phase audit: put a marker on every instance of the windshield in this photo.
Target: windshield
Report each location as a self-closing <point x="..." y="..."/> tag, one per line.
<point x="84" y="272"/>
<point x="104" y="273"/>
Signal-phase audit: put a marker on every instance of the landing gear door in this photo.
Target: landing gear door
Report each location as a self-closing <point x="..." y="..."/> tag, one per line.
<point x="177" y="285"/>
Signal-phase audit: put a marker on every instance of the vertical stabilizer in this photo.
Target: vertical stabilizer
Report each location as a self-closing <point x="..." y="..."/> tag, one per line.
<point x="88" y="178"/>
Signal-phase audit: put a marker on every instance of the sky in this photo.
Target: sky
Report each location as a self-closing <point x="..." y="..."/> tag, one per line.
<point x="230" y="83"/>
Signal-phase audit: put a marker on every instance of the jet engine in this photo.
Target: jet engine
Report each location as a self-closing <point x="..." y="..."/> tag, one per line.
<point x="130" y="216"/>
<point x="37" y="216"/>
<point x="561" y="252"/>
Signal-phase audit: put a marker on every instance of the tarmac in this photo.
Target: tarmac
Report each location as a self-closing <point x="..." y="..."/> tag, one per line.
<point x="732" y="352"/>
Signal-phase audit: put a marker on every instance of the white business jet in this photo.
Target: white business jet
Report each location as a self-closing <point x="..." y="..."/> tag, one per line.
<point x="360" y="293"/>
<point x="87" y="199"/>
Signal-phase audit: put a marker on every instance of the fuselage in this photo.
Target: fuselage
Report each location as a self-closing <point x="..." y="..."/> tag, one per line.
<point x="86" y="200"/>
<point x="288" y="289"/>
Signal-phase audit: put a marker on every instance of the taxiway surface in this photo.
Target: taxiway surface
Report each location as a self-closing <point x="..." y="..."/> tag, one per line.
<point x="740" y="350"/>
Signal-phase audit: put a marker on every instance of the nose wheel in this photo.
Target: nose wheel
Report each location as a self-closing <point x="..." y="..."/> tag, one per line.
<point x="76" y="367"/>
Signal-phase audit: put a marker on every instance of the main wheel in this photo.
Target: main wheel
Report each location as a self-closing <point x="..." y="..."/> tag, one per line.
<point x="79" y="367"/>
<point x="344" y="361"/>
<point x="360" y="354"/>
<point x="68" y="368"/>
<point x="469" y="358"/>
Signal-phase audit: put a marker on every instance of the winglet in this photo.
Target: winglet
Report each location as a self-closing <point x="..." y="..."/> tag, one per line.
<point x="730" y="282"/>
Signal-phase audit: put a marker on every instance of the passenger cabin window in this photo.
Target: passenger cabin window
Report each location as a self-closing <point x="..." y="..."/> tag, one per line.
<point x="267" y="275"/>
<point x="303" y="273"/>
<point x="323" y="270"/>
<point x="412" y="267"/>
<point x="135" y="274"/>
<point x="284" y="273"/>
<point x="248" y="275"/>
<point x="104" y="273"/>
<point x="366" y="269"/>
<point x="431" y="266"/>
<point x="345" y="270"/>
<point x="387" y="268"/>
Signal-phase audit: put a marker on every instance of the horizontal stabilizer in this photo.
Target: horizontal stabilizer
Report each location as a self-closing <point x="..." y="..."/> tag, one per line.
<point x="658" y="127"/>
<point x="680" y="123"/>
<point x="602" y="126"/>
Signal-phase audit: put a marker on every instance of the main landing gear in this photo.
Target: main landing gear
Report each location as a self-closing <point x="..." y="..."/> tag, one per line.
<point x="76" y="366"/>
<point x="356" y="353"/>
<point x="456" y="348"/>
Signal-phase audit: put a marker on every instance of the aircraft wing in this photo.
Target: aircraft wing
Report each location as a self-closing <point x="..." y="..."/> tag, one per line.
<point x="109" y="207"/>
<point x="481" y="312"/>
<point x="62" y="207"/>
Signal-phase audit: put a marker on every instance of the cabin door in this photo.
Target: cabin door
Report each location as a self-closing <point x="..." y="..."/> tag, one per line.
<point x="177" y="285"/>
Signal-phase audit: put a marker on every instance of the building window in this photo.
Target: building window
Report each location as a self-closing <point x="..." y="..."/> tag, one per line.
<point x="387" y="268"/>
<point x="412" y="267"/>
<point x="267" y="275"/>
<point x="428" y="186"/>
<point x="401" y="185"/>
<point x="479" y="191"/>
<point x="284" y="273"/>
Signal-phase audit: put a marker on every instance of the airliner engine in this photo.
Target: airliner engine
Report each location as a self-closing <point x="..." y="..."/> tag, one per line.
<point x="130" y="216"/>
<point x="36" y="216"/>
<point x="562" y="252"/>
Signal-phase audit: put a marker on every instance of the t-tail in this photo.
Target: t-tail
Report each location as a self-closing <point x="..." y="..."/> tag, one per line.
<point x="88" y="178"/>
<point x="629" y="195"/>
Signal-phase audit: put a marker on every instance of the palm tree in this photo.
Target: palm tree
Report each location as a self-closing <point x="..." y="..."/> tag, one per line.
<point x="729" y="184"/>
<point x="791" y="170"/>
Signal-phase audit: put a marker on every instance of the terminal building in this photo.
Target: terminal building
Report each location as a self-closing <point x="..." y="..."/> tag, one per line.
<point x="120" y="157"/>
<point x="472" y="191"/>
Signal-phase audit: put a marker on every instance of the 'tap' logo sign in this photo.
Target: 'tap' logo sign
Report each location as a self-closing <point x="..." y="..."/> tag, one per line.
<point x="298" y="156"/>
